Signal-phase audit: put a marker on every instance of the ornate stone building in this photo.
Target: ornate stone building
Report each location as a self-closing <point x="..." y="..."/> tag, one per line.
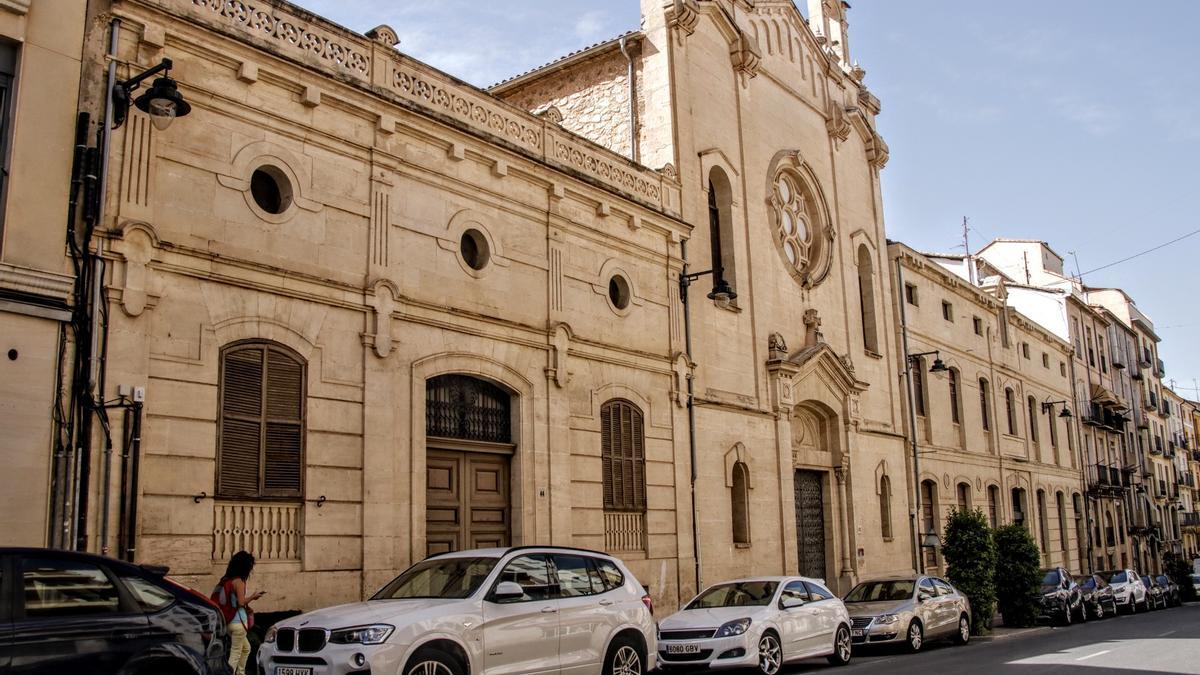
<point x="377" y="313"/>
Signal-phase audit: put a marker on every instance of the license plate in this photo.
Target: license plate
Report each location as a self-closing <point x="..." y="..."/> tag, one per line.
<point x="683" y="649"/>
<point x="858" y="632"/>
<point x="292" y="670"/>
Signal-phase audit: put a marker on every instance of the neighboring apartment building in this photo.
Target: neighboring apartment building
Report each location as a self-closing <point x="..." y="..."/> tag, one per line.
<point x="1191" y="449"/>
<point x="994" y="430"/>
<point x="378" y="313"/>
<point x="40" y="51"/>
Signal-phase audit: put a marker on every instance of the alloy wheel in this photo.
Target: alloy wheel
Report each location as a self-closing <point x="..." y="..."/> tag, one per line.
<point x="843" y="646"/>
<point x="1066" y="610"/>
<point x="964" y="629"/>
<point x="915" y="638"/>
<point x="627" y="661"/>
<point x="770" y="655"/>
<point x="1099" y="613"/>
<point x="430" y="668"/>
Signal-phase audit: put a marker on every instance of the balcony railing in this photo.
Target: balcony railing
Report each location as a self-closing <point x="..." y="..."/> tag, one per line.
<point x="268" y="530"/>
<point x="1107" y="479"/>
<point x="1189" y="519"/>
<point x="1196" y="455"/>
<point x="624" y="531"/>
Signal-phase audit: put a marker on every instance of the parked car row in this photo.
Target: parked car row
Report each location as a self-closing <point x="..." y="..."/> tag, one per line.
<point x="500" y="611"/>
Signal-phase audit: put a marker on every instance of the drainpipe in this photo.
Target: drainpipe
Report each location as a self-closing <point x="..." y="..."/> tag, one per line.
<point x="691" y="408"/>
<point x="633" y="118"/>
<point x="915" y="516"/>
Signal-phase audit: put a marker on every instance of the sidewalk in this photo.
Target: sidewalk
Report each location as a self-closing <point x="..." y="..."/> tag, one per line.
<point x="1000" y="632"/>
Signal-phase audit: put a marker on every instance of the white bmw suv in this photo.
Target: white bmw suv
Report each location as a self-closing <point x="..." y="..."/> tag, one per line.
<point x="501" y="611"/>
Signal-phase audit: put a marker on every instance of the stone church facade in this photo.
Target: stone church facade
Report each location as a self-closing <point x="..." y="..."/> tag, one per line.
<point x="378" y="313"/>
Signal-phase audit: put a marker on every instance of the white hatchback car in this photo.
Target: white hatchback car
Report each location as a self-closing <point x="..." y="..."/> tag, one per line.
<point x="483" y="612"/>
<point x="763" y="621"/>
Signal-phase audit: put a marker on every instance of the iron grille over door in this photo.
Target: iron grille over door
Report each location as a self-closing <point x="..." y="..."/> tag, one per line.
<point x="810" y="523"/>
<point x="467" y="408"/>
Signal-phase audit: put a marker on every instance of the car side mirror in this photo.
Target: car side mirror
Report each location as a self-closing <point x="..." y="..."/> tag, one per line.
<point x="789" y="603"/>
<point x="507" y="591"/>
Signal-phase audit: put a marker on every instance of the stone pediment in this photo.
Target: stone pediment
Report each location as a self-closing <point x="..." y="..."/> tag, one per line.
<point x="822" y="361"/>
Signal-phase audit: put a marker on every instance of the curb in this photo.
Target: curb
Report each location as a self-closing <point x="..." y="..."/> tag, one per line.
<point x="1011" y="633"/>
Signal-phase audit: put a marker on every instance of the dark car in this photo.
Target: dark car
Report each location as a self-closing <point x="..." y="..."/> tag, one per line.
<point x="1061" y="598"/>
<point x="1098" y="598"/>
<point x="1156" y="596"/>
<point x="1170" y="590"/>
<point x="80" y="613"/>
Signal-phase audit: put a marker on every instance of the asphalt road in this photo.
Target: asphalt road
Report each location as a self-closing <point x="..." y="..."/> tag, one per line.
<point x="1165" y="641"/>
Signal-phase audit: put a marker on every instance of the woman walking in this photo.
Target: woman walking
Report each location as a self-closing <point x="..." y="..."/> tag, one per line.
<point x="230" y="596"/>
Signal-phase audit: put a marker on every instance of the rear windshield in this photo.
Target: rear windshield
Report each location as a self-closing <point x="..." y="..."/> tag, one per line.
<point x="1089" y="583"/>
<point x="1116" y="577"/>
<point x="1162" y="580"/>
<point x="741" y="594"/>
<point x="877" y="591"/>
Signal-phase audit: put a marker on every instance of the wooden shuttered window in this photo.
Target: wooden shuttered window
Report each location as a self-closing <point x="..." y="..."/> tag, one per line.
<point x="261" y="427"/>
<point x="623" y="454"/>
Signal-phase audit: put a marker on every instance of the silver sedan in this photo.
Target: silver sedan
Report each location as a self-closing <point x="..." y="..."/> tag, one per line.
<point x="908" y="610"/>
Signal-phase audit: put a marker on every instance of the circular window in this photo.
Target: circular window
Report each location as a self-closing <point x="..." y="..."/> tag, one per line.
<point x="271" y="189"/>
<point x="618" y="292"/>
<point x="474" y="249"/>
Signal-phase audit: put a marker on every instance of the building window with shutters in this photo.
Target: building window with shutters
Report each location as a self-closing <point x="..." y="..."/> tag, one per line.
<point x="260" y="451"/>
<point x="623" y="460"/>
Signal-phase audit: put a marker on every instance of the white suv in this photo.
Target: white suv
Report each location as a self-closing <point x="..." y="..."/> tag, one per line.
<point x="501" y="611"/>
<point x="1128" y="589"/>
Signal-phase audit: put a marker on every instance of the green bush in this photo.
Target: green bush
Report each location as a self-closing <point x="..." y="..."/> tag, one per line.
<point x="970" y="556"/>
<point x="1018" y="575"/>
<point x="1180" y="572"/>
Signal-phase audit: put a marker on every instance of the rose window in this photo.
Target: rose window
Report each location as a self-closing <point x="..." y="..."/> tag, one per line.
<point x="794" y="228"/>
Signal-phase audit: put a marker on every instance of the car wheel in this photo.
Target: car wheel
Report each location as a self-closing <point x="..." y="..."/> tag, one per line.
<point x="1083" y="613"/>
<point x="963" y="636"/>
<point x="770" y="654"/>
<point x="916" y="637"/>
<point x="1066" y="614"/>
<point x="430" y="661"/>
<point x="624" y="658"/>
<point x="1114" y="608"/>
<point x="842" y="649"/>
<point x="1099" y="611"/>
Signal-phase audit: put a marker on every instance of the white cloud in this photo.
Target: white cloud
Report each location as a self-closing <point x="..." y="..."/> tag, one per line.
<point x="591" y="25"/>
<point x="1097" y="119"/>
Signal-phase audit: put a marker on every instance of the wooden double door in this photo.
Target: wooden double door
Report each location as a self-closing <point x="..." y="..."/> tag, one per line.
<point x="467" y="501"/>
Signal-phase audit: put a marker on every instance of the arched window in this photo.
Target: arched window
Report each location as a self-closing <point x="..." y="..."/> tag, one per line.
<point x="741" y="504"/>
<point x="955" y="401"/>
<point x="1010" y="409"/>
<point x="623" y="456"/>
<point x="885" y="506"/>
<point x="1043" y="522"/>
<point x="260" y="428"/>
<point x="963" y="492"/>
<point x="866" y="299"/>
<point x="1080" y="529"/>
<point x="993" y="494"/>
<point x="918" y="385"/>
<point x="720" y="235"/>
<point x="929" y="524"/>
<point x="467" y="408"/>
<point x="1018" y="506"/>
<point x="1031" y="403"/>
<point x="984" y="409"/>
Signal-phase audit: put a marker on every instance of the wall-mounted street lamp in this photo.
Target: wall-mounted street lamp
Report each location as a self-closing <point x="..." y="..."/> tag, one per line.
<point x="1048" y="407"/>
<point x="722" y="293"/>
<point x="938" y="366"/>
<point x="162" y="101"/>
<point x="931" y="540"/>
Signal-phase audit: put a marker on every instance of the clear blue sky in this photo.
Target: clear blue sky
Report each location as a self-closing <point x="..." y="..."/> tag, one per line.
<point x="1074" y="121"/>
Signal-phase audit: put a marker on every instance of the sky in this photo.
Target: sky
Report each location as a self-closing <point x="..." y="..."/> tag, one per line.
<point x="1073" y="121"/>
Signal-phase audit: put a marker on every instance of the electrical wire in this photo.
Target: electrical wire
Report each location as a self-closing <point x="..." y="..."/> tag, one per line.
<point x="1138" y="255"/>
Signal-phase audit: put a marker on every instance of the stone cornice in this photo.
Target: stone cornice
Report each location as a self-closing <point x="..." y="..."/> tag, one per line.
<point x="296" y="35"/>
<point x="36" y="282"/>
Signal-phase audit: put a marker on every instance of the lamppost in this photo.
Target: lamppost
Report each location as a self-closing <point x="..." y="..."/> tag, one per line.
<point x="162" y="101"/>
<point x="928" y="539"/>
<point x="722" y="293"/>
<point x="1048" y="407"/>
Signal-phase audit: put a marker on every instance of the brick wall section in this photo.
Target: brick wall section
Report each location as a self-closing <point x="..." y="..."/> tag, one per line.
<point x="593" y="97"/>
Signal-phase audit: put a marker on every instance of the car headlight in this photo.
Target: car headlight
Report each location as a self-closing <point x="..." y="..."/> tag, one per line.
<point x="733" y="628"/>
<point x="269" y="638"/>
<point x="361" y="635"/>
<point x="887" y="619"/>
